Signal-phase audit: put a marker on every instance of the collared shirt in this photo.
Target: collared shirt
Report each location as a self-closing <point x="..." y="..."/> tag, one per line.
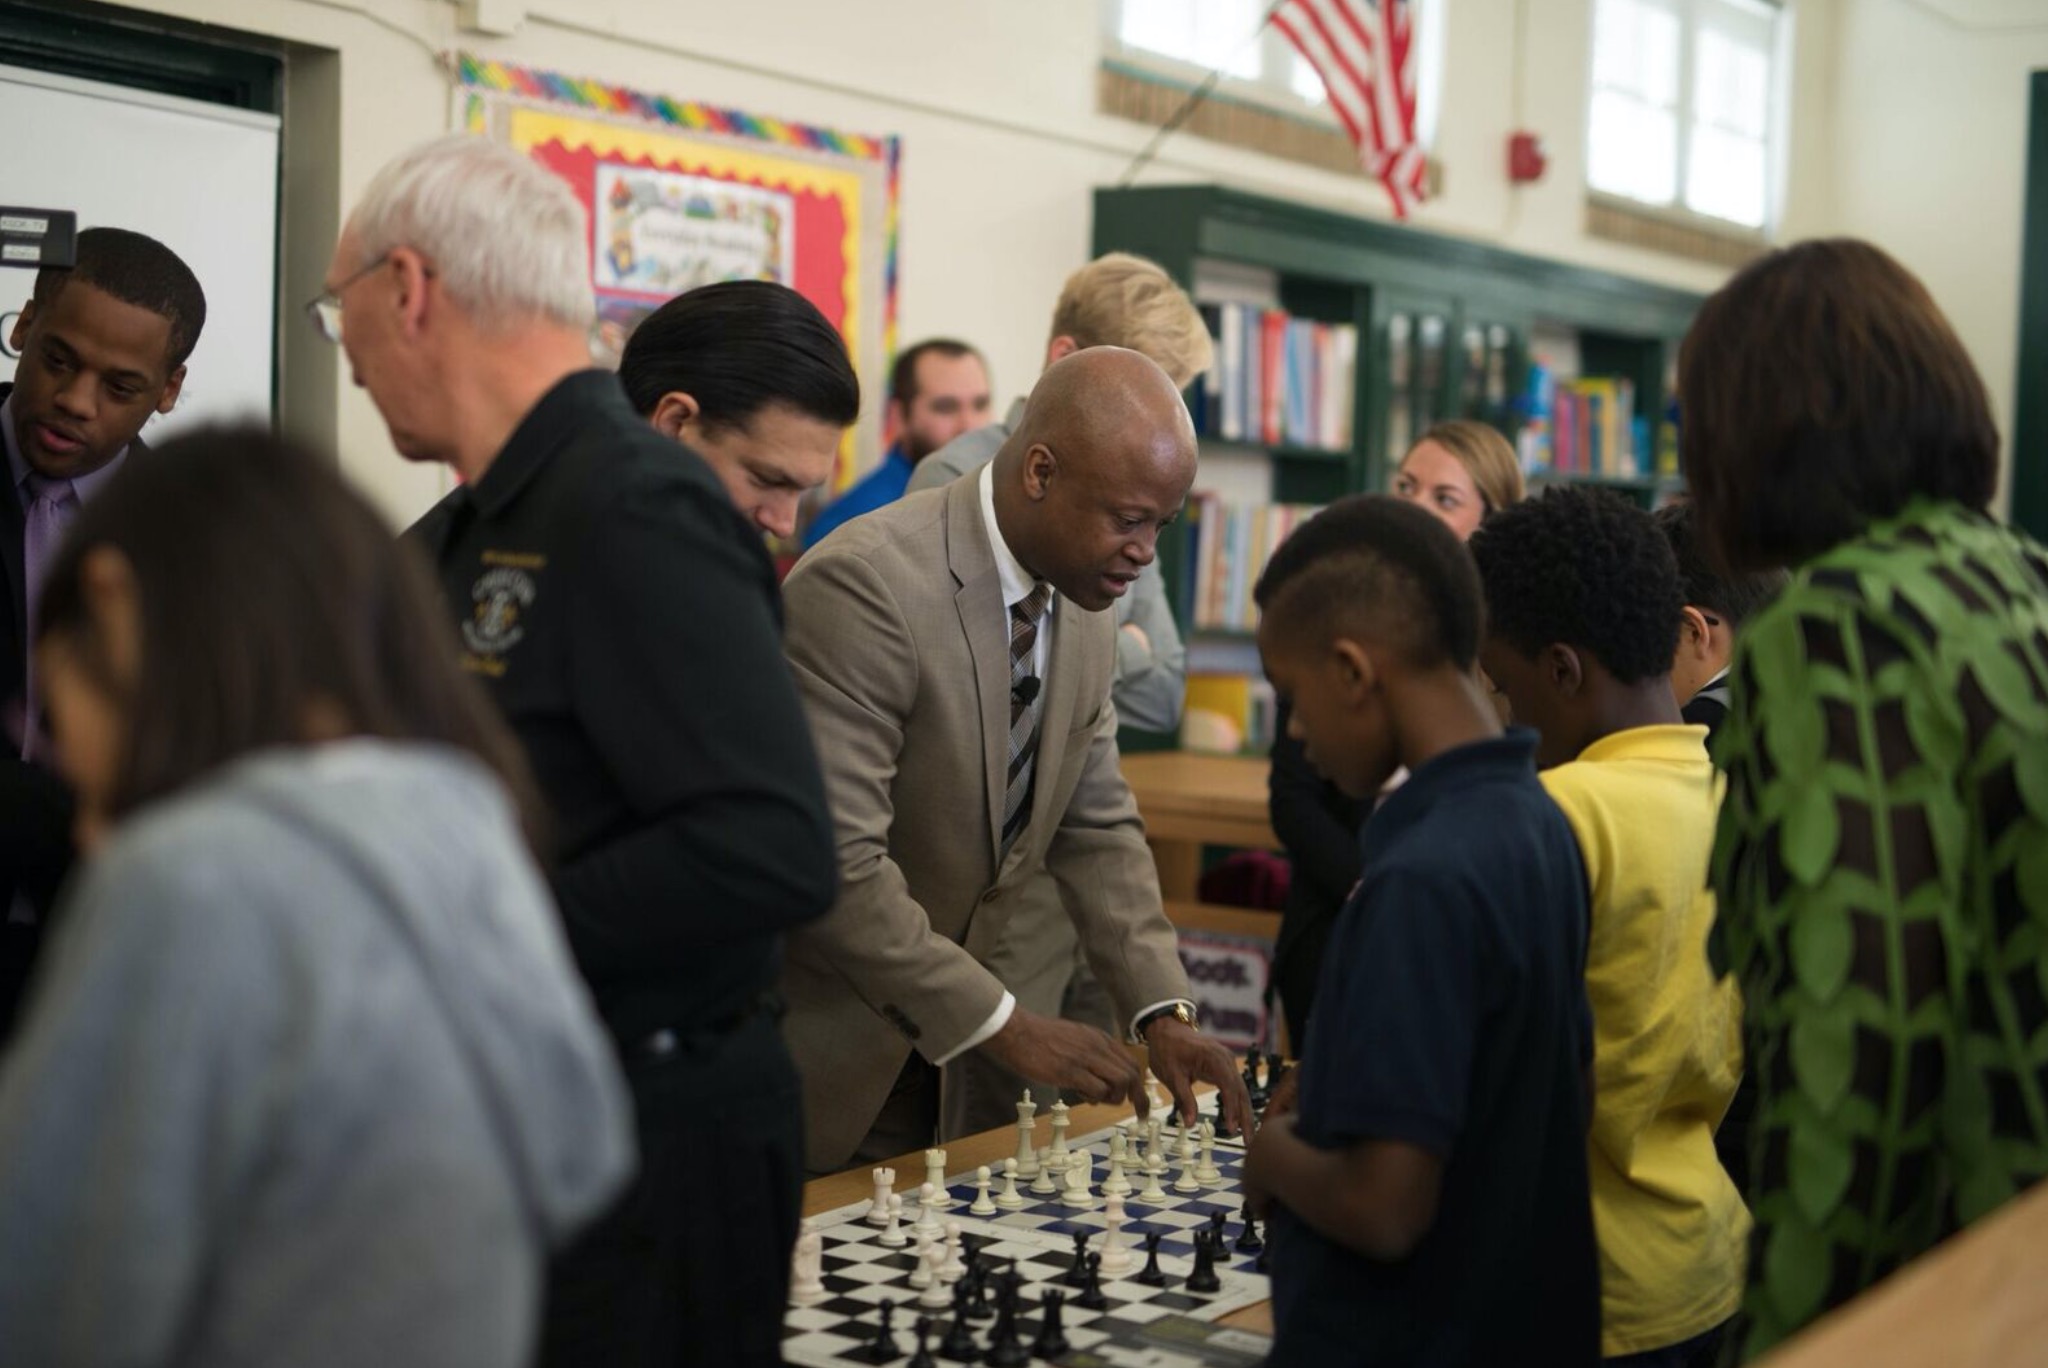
<point x="86" y="486"/>
<point x="880" y="487"/>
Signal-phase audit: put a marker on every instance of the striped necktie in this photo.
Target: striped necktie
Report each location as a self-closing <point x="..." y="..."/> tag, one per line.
<point x="1024" y="616"/>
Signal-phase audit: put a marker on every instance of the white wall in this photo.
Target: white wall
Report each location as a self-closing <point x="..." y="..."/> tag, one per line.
<point x="1929" y="132"/>
<point x="995" y="100"/>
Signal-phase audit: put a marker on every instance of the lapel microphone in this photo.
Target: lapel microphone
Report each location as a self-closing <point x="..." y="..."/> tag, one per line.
<point x="1024" y="691"/>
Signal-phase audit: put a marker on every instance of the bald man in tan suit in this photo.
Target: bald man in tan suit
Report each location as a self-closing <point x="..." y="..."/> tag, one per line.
<point x="954" y="655"/>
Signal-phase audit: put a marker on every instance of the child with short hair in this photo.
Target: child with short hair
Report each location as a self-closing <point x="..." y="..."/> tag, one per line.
<point x="1430" y="1197"/>
<point x="1716" y="606"/>
<point x="1583" y="602"/>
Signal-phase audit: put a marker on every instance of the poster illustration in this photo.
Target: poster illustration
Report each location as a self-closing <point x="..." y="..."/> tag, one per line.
<point x="681" y="195"/>
<point x="660" y="233"/>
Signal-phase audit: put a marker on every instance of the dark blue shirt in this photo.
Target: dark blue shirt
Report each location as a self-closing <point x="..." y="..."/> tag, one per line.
<point x="879" y="488"/>
<point x="1451" y="1015"/>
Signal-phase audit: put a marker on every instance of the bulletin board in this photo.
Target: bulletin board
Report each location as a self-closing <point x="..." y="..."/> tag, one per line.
<point x="681" y="194"/>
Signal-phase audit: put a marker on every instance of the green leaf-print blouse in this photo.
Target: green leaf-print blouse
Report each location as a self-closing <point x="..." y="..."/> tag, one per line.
<point x="1882" y="871"/>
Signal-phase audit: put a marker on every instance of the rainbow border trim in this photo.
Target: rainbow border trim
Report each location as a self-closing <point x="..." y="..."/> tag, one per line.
<point x="504" y="78"/>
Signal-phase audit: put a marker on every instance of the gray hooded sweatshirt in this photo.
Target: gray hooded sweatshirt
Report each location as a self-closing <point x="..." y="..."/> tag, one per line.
<point x="307" y="1079"/>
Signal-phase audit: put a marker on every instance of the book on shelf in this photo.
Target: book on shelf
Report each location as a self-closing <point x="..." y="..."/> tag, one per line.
<point x="1230" y="546"/>
<point x="1585" y="426"/>
<point x="1277" y="380"/>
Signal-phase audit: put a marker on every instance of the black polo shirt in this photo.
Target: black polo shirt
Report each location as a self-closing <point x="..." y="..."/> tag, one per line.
<point x="1452" y="1016"/>
<point x="627" y="622"/>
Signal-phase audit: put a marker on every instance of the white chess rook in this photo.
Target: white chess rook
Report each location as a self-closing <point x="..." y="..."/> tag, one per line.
<point x="935" y="1177"/>
<point x="878" y="1210"/>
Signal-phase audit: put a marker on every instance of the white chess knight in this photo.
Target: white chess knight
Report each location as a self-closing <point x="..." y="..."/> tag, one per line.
<point x="1080" y="1172"/>
<point x="1027" y="1135"/>
<point x="892" y="1231"/>
<point x="807" y="1268"/>
<point x="1116" y="1256"/>
<point x="1009" y="1199"/>
<point x="878" y="1210"/>
<point x="984" y="1205"/>
<point x="935" y="1177"/>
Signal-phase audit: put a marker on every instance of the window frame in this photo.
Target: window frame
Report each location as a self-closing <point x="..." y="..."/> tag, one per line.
<point x="1691" y="22"/>
<point x="1275" y="92"/>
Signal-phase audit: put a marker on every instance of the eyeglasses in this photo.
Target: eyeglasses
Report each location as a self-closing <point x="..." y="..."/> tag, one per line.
<point x="325" y="310"/>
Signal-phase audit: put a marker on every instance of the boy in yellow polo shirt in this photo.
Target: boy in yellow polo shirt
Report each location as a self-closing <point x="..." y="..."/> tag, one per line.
<point x="1583" y="599"/>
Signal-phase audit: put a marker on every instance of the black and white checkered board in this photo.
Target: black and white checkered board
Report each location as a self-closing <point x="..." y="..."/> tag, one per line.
<point x="1142" y="1326"/>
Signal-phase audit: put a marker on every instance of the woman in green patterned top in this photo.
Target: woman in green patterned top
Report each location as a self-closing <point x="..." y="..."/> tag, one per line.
<point x="1882" y="861"/>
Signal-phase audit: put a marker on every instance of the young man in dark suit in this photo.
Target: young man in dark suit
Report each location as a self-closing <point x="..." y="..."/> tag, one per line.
<point x="102" y="348"/>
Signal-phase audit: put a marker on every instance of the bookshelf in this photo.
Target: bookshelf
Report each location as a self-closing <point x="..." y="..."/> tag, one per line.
<point x="1444" y="328"/>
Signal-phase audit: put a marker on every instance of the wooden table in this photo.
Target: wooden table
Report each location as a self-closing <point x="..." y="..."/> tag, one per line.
<point x="1975" y="1302"/>
<point x="1189" y="801"/>
<point x="991" y="1148"/>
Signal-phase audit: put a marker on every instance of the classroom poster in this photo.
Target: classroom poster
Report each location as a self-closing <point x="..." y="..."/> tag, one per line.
<point x="684" y="195"/>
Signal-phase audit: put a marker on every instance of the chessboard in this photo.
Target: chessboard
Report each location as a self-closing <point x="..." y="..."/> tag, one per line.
<point x="1138" y="1324"/>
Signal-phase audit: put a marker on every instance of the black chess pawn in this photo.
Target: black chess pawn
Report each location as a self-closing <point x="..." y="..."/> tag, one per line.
<point x="1091" y="1296"/>
<point x="1152" y="1275"/>
<point x="1078" y="1271"/>
<point x="1248" y="1241"/>
<point x="1217" y="1220"/>
<point x="923" y="1357"/>
<point x="883" y="1347"/>
<point x="1052" y="1335"/>
<point x="1204" y="1278"/>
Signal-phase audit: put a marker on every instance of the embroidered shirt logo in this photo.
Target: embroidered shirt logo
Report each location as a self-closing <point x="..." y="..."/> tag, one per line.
<point x="501" y="598"/>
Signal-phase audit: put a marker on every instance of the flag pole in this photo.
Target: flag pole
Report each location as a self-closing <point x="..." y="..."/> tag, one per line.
<point x="1194" y="101"/>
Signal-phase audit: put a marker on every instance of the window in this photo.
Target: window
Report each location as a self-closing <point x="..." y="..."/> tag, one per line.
<point x="1685" y="109"/>
<point x="1190" y="38"/>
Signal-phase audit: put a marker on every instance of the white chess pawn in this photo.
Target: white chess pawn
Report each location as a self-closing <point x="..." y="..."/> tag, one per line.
<point x="1154" y="1195"/>
<point x="935" y="1177"/>
<point x="1059" y="1135"/>
<point x="1185" y="1144"/>
<point x="1043" y="1184"/>
<point x="807" y="1268"/>
<point x="936" y="1295"/>
<point x="955" y="1266"/>
<point x="1027" y="1134"/>
<point x="1152" y="1136"/>
<point x="983" y="1205"/>
<point x="1009" y="1199"/>
<point x="1116" y="1256"/>
<point x="878" y="1210"/>
<point x="921" y="1273"/>
<point x="1153" y="1093"/>
<point x="928" y="1209"/>
<point x="1186" y="1182"/>
<point x="1080" y="1172"/>
<point x="892" y="1234"/>
<point x="1116" y="1184"/>
<point x="1206" y="1172"/>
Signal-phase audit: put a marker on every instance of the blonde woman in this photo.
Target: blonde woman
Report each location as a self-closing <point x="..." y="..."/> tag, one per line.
<point x="1460" y="471"/>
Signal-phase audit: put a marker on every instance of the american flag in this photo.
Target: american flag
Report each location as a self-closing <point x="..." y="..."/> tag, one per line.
<point x="1365" y="52"/>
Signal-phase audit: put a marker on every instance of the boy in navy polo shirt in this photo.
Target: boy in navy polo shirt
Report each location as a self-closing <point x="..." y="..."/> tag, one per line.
<point x="1430" y="1201"/>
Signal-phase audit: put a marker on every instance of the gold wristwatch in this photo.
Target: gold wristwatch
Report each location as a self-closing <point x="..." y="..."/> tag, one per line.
<point x="1178" y="1010"/>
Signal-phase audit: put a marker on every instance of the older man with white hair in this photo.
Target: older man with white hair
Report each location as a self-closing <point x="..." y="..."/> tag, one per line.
<point x="625" y="618"/>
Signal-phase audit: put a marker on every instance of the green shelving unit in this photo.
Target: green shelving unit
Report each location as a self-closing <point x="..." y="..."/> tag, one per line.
<point x="1444" y="325"/>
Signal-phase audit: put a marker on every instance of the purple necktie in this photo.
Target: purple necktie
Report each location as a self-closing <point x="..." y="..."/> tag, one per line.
<point x="51" y="505"/>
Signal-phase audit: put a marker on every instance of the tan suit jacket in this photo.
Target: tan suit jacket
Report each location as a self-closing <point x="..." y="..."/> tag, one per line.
<point x="896" y="632"/>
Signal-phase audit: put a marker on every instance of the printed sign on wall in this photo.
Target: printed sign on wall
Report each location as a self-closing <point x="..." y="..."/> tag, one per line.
<point x="1228" y="976"/>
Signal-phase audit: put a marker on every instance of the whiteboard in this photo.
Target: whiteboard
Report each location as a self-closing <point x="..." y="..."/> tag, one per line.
<point x="199" y="178"/>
